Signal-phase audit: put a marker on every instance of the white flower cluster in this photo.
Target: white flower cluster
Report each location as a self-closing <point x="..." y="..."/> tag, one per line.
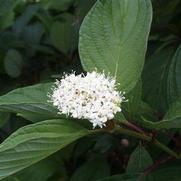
<point x="93" y="97"/>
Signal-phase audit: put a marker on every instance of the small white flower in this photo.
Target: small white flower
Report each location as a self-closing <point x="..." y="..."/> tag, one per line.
<point x="93" y="97"/>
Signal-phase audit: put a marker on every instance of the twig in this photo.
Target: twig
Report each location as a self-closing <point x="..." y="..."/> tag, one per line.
<point x="134" y="127"/>
<point x="147" y="138"/>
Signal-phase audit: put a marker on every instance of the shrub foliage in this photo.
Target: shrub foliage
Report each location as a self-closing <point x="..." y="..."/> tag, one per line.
<point x="138" y="42"/>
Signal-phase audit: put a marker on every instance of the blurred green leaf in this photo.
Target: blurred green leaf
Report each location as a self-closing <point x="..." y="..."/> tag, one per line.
<point x="9" y="40"/>
<point x="61" y="33"/>
<point x="7" y="20"/>
<point x="123" y="177"/>
<point x="171" y="120"/>
<point x="35" y="142"/>
<point x="164" y="10"/>
<point x="162" y="72"/>
<point x="13" y="63"/>
<point x="3" y="118"/>
<point x="113" y="38"/>
<point x="25" y="18"/>
<point x="105" y="143"/>
<point x="56" y="4"/>
<point x="84" y="145"/>
<point x="45" y="18"/>
<point x="174" y="111"/>
<point x="174" y="77"/>
<point x="2" y="54"/>
<point x="8" y="5"/>
<point x="167" y="173"/>
<point x="32" y="34"/>
<point x="92" y="170"/>
<point x="155" y="74"/>
<point x="82" y="7"/>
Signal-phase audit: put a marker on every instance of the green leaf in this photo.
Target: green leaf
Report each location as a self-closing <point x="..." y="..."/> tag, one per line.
<point x="56" y="4"/>
<point x="8" y="5"/>
<point x="13" y="63"/>
<point x="113" y="38"/>
<point x="33" y="33"/>
<point x="164" y="12"/>
<point x="61" y="32"/>
<point x="45" y="18"/>
<point x="7" y="20"/>
<point x="155" y="68"/>
<point x="132" y="106"/>
<point x="174" y="77"/>
<point x="92" y="170"/>
<point x="82" y="7"/>
<point x="105" y="143"/>
<point x="174" y="111"/>
<point x="139" y="161"/>
<point x="3" y="118"/>
<point x="135" y="107"/>
<point x="120" y="117"/>
<point x="35" y="142"/>
<point x="25" y="18"/>
<point x="30" y="102"/>
<point x="9" y="40"/>
<point x="172" y="119"/>
<point x="169" y="173"/>
<point x="2" y="53"/>
<point x="162" y="71"/>
<point x="123" y="177"/>
<point x="40" y="171"/>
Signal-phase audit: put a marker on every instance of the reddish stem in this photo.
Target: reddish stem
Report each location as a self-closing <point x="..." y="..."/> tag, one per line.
<point x="134" y="127"/>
